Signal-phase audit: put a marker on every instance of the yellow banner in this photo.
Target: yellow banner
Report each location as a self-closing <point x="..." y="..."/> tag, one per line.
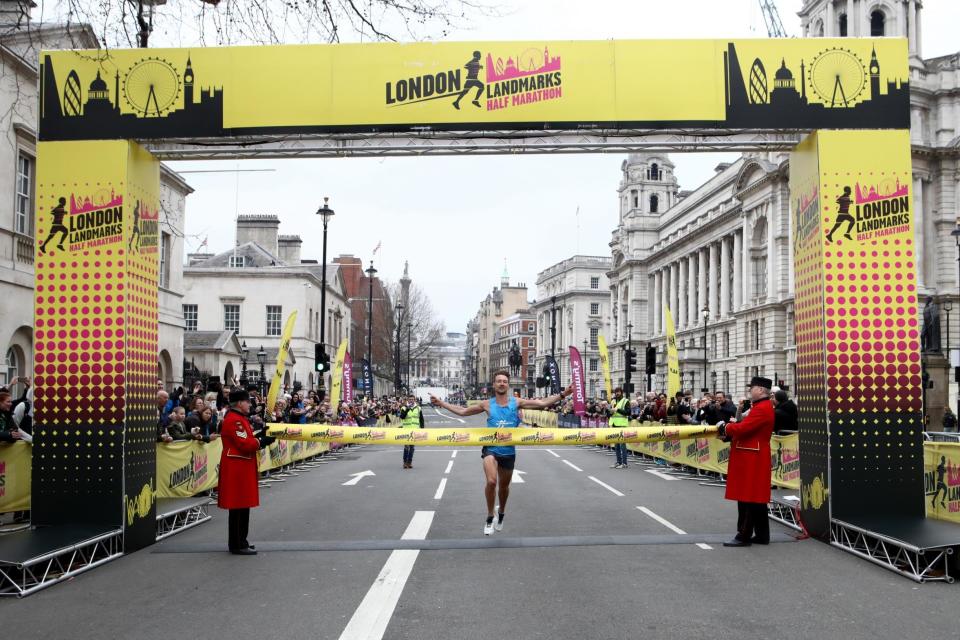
<point x="533" y="84"/>
<point x="605" y="362"/>
<point x="281" y="361"/>
<point x="336" y="378"/>
<point x="15" y="466"/>
<point x="941" y="466"/>
<point x="673" y="361"/>
<point x="185" y="469"/>
<point x="484" y="436"/>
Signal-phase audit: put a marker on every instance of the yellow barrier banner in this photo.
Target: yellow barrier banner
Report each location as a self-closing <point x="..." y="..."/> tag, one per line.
<point x="484" y="436"/>
<point x="673" y="361"/>
<point x="281" y="361"/>
<point x="187" y="468"/>
<point x="605" y="362"/>
<point x="785" y="461"/>
<point x="15" y="469"/>
<point x="336" y="377"/>
<point x="941" y="480"/>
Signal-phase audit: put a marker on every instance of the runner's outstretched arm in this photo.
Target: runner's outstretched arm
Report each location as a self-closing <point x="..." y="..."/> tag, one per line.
<point x="463" y="412"/>
<point x="544" y="403"/>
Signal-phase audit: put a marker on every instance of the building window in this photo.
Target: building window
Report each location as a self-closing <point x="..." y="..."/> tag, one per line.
<point x="11" y="367"/>
<point x="843" y="25"/>
<point x="759" y="276"/>
<point x="726" y="382"/>
<point x="726" y="344"/>
<point x="713" y="350"/>
<point x="654" y="172"/>
<point x="190" y="317"/>
<point x="594" y="308"/>
<point x="755" y="334"/>
<point x="238" y="261"/>
<point x="594" y="364"/>
<point x="274" y="313"/>
<point x="654" y="203"/>
<point x="877" y="24"/>
<point x="595" y="283"/>
<point x="23" y="214"/>
<point x="594" y="336"/>
<point x="635" y="197"/>
<point x="164" y="259"/>
<point x="231" y="318"/>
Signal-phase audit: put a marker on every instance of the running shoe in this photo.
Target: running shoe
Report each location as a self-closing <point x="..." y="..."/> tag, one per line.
<point x="488" y="528"/>
<point x="615" y="466"/>
<point x="498" y="524"/>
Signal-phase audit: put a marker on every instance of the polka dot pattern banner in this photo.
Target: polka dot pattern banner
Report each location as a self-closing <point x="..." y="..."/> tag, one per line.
<point x="95" y="317"/>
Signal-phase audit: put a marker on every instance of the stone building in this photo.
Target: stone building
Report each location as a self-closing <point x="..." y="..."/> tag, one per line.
<point x="516" y="331"/>
<point x="501" y="303"/>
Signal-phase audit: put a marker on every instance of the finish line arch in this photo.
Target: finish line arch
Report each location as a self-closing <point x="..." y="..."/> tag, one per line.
<point x="107" y="117"/>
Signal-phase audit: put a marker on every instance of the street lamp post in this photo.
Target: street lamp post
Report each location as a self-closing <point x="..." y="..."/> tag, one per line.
<point x="705" y="312"/>
<point x="397" y="382"/>
<point x="244" y="353"/>
<point x="325" y="212"/>
<point x="409" y="338"/>
<point x="956" y="236"/>
<point x="553" y="327"/>
<point x="629" y="346"/>
<point x="262" y="359"/>
<point x="585" y="349"/>
<point x="371" y="272"/>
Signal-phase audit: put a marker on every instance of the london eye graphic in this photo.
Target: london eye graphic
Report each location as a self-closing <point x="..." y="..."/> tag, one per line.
<point x="530" y="60"/>
<point x="151" y="87"/>
<point x="838" y="77"/>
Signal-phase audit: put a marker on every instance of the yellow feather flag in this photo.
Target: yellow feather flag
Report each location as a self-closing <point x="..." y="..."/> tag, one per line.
<point x="673" y="361"/>
<point x="605" y="361"/>
<point x="336" y="378"/>
<point x="281" y="361"/>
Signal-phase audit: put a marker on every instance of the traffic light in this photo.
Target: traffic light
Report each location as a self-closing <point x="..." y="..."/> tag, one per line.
<point x="651" y="360"/>
<point x="631" y="361"/>
<point x="320" y="358"/>
<point x="546" y="376"/>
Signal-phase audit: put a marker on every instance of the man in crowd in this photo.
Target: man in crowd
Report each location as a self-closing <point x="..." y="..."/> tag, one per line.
<point x="725" y="408"/>
<point x="748" y="472"/>
<point x="8" y="428"/>
<point x="621" y="420"/>
<point x="785" y="413"/>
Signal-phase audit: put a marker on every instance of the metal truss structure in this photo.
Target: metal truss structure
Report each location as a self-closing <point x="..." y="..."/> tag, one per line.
<point x="920" y="565"/>
<point x="785" y="512"/>
<point x="22" y="579"/>
<point x="184" y="517"/>
<point x="429" y="142"/>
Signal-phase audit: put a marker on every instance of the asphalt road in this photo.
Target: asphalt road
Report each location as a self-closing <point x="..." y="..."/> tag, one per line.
<point x="561" y="568"/>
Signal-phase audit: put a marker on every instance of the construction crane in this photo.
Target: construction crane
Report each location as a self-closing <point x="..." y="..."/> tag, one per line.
<point x="772" y="19"/>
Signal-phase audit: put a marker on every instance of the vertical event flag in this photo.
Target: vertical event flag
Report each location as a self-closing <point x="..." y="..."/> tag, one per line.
<point x="605" y="361"/>
<point x="281" y="361"/>
<point x="347" y="378"/>
<point x="673" y="362"/>
<point x="367" y="373"/>
<point x="554" y="375"/>
<point x="576" y="375"/>
<point x="336" y="379"/>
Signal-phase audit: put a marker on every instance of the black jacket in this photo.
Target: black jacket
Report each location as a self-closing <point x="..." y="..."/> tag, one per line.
<point x="785" y="417"/>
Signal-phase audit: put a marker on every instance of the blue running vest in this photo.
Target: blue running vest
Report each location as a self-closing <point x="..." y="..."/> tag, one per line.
<point x="500" y="418"/>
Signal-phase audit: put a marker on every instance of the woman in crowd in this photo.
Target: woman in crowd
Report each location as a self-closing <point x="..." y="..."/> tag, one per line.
<point x="204" y="424"/>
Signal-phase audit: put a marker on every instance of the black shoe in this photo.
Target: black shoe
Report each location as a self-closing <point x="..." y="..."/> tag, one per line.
<point x="476" y="102"/>
<point x="250" y="546"/>
<point x="756" y="540"/>
<point x="456" y="105"/>
<point x="737" y="542"/>
<point x="60" y="247"/>
<point x="244" y="552"/>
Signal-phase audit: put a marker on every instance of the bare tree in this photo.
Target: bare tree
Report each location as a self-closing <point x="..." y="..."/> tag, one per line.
<point x="420" y="329"/>
<point x="132" y="23"/>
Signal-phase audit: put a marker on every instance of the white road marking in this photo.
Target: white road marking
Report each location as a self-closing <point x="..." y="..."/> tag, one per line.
<point x="370" y="620"/>
<point x="671" y="526"/>
<point x="357" y="477"/>
<point x="553" y="453"/>
<point x="517" y="478"/>
<point x="454" y="454"/>
<point x="571" y="465"/>
<point x="461" y="420"/>
<point x="606" y="486"/>
<point x="439" y="493"/>
<point x="663" y="476"/>
<point x="449" y="466"/>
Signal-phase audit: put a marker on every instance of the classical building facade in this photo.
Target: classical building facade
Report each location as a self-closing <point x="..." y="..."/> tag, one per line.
<point x="442" y="364"/>
<point x="575" y="295"/>
<point x="253" y="288"/>
<point x="502" y="302"/>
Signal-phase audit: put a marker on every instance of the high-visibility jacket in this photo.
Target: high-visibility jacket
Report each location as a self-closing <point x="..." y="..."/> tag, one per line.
<point x="412" y="419"/>
<point x="621" y="413"/>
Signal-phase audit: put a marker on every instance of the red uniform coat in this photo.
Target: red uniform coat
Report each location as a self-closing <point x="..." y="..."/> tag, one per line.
<point x="748" y="473"/>
<point x="238" y="464"/>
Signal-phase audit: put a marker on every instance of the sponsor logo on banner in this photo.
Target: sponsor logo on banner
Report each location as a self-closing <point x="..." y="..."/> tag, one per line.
<point x="813" y="495"/>
<point x="293" y="432"/>
<point x="145" y="232"/>
<point x="332" y="432"/>
<point x="785" y="463"/>
<point x="454" y="436"/>
<point x="616" y="435"/>
<point x="699" y="450"/>
<point x="503" y="436"/>
<point x="807" y="214"/>
<point x="509" y="80"/>
<point x="671" y="448"/>
<point x="3" y="479"/>
<point x="539" y="437"/>
<point x="880" y="209"/>
<point x="191" y="475"/>
<point x="93" y="220"/>
<point x="581" y="436"/>
<point x="277" y="452"/>
<point x="942" y="484"/>
<point x="723" y="456"/>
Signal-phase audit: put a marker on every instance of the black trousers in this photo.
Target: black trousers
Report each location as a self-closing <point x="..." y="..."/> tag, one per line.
<point x="408" y="454"/>
<point x="752" y="522"/>
<point x="238" y="524"/>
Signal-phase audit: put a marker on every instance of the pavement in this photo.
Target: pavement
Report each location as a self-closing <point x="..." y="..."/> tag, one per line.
<point x="578" y="558"/>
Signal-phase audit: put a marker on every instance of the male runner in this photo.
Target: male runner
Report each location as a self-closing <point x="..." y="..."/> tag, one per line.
<point x="498" y="462"/>
<point x="58" y="213"/>
<point x="843" y="215"/>
<point x="473" y="67"/>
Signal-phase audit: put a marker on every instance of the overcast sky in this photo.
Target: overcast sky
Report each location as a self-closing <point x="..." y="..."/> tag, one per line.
<point x="457" y="219"/>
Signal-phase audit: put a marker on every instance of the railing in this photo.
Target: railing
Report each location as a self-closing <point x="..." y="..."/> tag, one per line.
<point x="24" y="249"/>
